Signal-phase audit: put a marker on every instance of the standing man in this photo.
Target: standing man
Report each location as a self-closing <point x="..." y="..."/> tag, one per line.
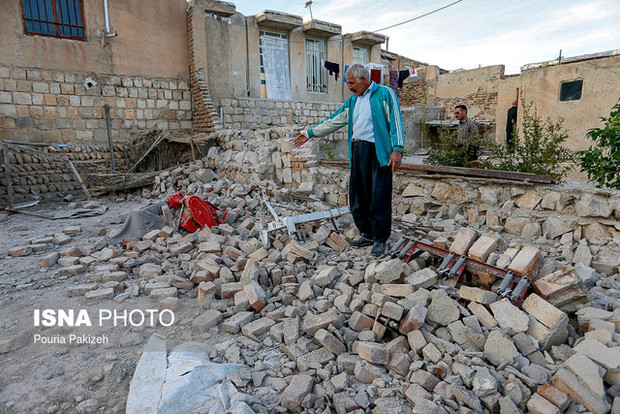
<point x="466" y="131"/>
<point x="511" y="122"/>
<point x="376" y="140"/>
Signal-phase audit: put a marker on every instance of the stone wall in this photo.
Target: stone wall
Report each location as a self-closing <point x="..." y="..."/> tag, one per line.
<point x="253" y="113"/>
<point x="56" y="107"/>
<point x="44" y="171"/>
<point x="571" y="221"/>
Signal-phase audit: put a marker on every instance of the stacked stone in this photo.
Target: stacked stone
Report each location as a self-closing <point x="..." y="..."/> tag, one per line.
<point x="322" y="326"/>
<point x="45" y="171"/>
<point x="242" y="113"/>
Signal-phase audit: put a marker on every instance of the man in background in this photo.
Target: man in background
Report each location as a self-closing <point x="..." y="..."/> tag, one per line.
<point x="467" y="131"/>
<point x="511" y="122"/>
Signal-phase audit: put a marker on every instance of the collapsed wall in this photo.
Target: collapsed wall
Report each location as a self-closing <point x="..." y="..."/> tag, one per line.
<point x="576" y="221"/>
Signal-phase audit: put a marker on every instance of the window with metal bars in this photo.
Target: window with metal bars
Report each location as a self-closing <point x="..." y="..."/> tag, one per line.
<point x="56" y="18"/>
<point x="316" y="76"/>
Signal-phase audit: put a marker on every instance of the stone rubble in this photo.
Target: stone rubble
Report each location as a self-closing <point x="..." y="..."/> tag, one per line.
<point x="325" y="327"/>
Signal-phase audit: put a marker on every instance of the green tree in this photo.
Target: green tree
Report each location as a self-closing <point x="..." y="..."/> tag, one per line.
<point x="602" y="160"/>
<point x="538" y="148"/>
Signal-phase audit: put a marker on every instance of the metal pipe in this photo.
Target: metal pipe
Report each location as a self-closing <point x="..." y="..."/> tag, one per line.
<point x="110" y="142"/>
<point x="106" y="13"/>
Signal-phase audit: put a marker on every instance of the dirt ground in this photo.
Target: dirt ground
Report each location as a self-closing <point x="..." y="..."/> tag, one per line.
<point x="66" y="378"/>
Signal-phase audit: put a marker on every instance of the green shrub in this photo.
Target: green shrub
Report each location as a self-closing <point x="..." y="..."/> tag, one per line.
<point x="602" y="160"/>
<point x="449" y="153"/>
<point x="537" y="149"/>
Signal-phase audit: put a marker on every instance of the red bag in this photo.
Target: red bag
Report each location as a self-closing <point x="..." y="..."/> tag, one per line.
<point x="196" y="212"/>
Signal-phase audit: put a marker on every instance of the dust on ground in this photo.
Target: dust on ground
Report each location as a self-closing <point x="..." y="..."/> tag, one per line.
<point x="56" y="378"/>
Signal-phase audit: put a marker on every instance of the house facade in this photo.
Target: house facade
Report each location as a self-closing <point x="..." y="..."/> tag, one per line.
<point x="62" y="64"/>
<point x="581" y="90"/>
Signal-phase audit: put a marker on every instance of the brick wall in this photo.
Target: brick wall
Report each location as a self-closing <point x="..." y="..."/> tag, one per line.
<point x="206" y="118"/>
<point x="56" y="107"/>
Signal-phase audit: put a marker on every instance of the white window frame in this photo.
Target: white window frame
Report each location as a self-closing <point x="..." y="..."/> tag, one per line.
<point x="361" y="55"/>
<point x="316" y="74"/>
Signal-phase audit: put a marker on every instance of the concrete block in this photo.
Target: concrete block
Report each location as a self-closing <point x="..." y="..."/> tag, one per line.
<point x="416" y="341"/>
<point x="477" y="295"/>
<point x="422" y="278"/>
<point x="412" y="320"/>
<point x="463" y="240"/>
<point x="424" y="379"/>
<point x="256" y="295"/>
<point x="313" y="323"/>
<point x="392" y="311"/>
<point x="510" y="317"/>
<point x="359" y="322"/>
<point x="483" y="315"/>
<point x="99" y="294"/>
<point x="498" y="347"/>
<point x="258" y="327"/>
<point x="234" y="324"/>
<point x="442" y="310"/>
<point x="207" y="320"/>
<point x="372" y="352"/>
<point x="293" y="395"/>
<point x="483" y="247"/>
<point x="399" y="362"/>
<point x="558" y="398"/>
<point x="314" y="360"/>
<point x="544" y="312"/>
<point x="397" y="290"/>
<point x="525" y="261"/>
<point x="329" y="341"/>
<point x="539" y="405"/>
<point x="567" y="381"/>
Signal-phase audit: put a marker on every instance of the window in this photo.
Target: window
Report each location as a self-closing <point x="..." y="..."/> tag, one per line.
<point x="274" y="68"/>
<point x="361" y="55"/>
<point x="56" y="18"/>
<point x="315" y="72"/>
<point x="571" y="91"/>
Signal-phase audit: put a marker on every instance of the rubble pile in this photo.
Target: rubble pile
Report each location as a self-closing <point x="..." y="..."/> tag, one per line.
<point x="320" y="325"/>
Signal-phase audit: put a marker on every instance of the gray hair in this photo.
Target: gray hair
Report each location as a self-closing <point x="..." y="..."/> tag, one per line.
<point x="358" y="72"/>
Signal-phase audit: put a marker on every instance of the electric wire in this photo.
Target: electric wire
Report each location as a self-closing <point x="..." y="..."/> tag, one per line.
<point x="418" y="17"/>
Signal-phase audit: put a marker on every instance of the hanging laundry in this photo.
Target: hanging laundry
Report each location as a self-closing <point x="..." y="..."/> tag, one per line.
<point x="394" y="79"/>
<point x="332" y="68"/>
<point x="414" y="73"/>
<point x="402" y="75"/>
<point x="375" y="75"/>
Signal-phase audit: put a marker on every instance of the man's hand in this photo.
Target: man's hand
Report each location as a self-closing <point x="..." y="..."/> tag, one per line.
<point x="395" y="160"/>
<point x="300" y="140"/>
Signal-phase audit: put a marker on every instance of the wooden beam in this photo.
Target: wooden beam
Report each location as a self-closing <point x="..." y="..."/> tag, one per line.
<point x="465" y="172"/>
<point x="159" y="139"/>
<point x="77" y="176"/>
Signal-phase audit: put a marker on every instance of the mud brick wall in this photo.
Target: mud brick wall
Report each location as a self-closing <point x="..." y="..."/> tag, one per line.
<point x="44" y="171"/>
<point x="413" y="93"/>
<point x="60" y="107"/>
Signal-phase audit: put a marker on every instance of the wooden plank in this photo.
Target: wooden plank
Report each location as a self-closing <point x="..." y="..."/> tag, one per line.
<point x="77" y="176"/>
<point x="159" y="139"/>
<point x="7" y="176"/>
<point x="462" y="171"/>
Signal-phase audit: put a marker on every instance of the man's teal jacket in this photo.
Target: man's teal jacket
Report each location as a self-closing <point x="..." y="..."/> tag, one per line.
<point x="387" y="122"/>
